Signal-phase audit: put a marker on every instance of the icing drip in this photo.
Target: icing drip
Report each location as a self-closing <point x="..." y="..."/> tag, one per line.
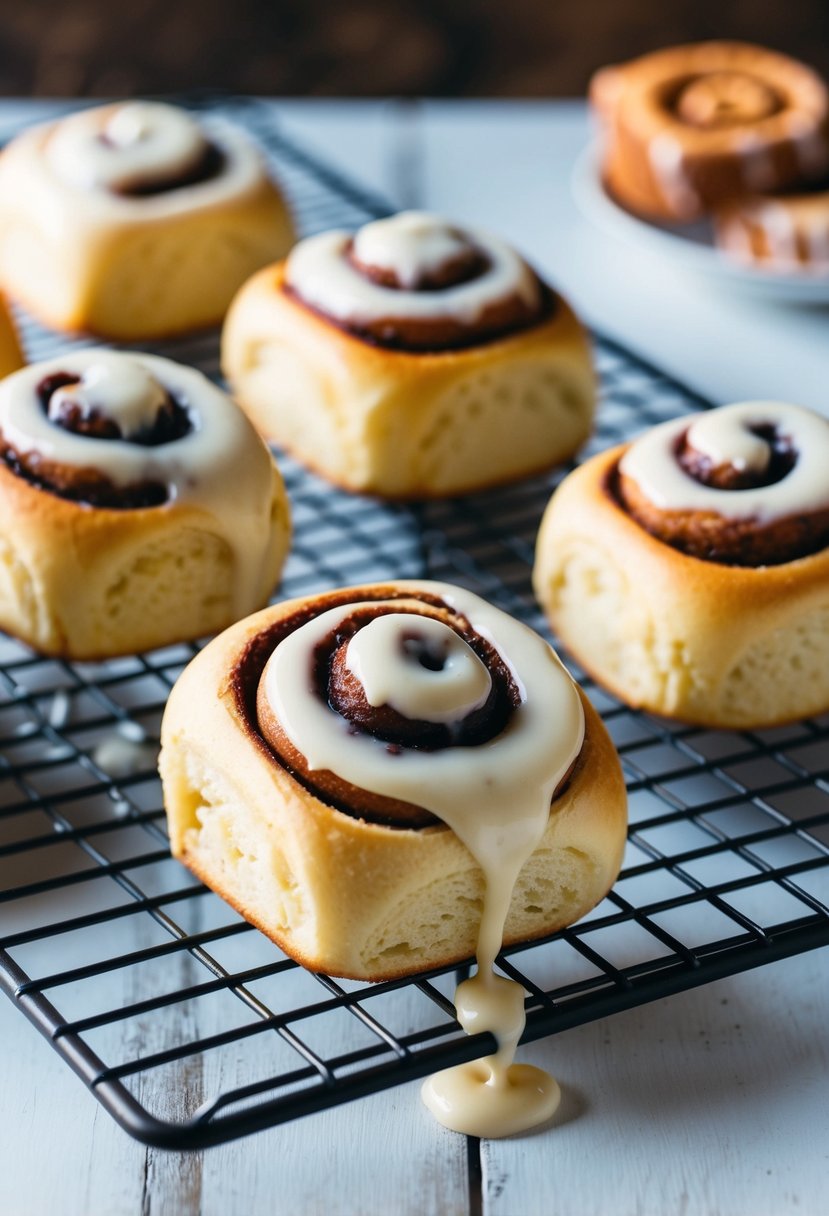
<point x="140" y="142"/>
<point x="734" y="435"/>
<point x="413" y="245"/>
<point x="200" y="467"/>
<point x="495" y="796"/>
<point x="667" y="159"/>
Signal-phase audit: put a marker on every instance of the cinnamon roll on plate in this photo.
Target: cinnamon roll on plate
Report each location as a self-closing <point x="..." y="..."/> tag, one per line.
<point x="138" y="506"/>
<point x="135" y="220"/>
<point x="360" y="772"/>
<point x="413" y="358"/>
<point x="690" y="127"/>
<point x="689" y="571"/>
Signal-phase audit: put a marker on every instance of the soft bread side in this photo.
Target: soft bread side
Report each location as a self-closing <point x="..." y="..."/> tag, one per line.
<point x="407" y="424"/>
<point x="91" y="582"/>
<point x="703" y="642"/>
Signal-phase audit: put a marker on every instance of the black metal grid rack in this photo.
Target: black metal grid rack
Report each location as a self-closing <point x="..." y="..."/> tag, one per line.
<point x="188" y="1025"/>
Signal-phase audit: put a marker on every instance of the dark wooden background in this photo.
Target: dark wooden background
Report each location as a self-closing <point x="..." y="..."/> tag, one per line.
<point x="361" y="48"/>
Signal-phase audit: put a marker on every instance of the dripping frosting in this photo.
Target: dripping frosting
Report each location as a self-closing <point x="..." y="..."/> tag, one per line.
<point x="495" y="796"/>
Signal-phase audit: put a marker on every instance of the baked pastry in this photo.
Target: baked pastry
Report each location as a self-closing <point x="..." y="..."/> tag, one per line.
<point x="138" y="506"/>
<point x="689" y="571"/>
<point x="689" y="127"/>
<point x="11" y="356"/>
<point x="785" y="232"/>
<point x="413" y="358"/>
<point x="135" y="220"/>
<point x="321" y="808"/>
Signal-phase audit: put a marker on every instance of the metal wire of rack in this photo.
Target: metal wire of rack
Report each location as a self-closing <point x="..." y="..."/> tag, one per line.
<point x="190" y="1027"/>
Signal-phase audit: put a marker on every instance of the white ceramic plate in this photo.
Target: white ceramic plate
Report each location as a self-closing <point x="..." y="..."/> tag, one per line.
<point x="691" y="245"/>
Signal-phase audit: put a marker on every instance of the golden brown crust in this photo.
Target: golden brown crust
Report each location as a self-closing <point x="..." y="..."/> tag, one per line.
<point x="403" y="424"/>
<point x="338" y="893"/>
<point x="689" y="127"/>
<point x="714" y="644"/>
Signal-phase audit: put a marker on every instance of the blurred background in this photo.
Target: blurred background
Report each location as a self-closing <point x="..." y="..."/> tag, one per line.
<point x="365" y="48"/>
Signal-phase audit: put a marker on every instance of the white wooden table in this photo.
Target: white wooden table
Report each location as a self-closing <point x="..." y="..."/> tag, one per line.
<point x="712" y="1103"/>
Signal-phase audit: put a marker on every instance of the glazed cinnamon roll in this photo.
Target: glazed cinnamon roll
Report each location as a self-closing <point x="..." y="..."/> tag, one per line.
<point x="689" y="571"/>
<point x="786" y="232"/>
<point x="690" y="127"/>
<point x="135" y="220"/>
<point x="138" y="507"/>
<point x="412" y="358"/>
<point x="358" y="772"/>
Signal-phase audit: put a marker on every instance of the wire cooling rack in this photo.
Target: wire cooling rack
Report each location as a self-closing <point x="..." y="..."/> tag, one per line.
<point x="188" y="1025"/>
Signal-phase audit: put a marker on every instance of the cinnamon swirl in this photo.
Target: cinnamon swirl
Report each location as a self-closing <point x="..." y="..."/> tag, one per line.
<point x="138" y="507"/>
<point x="412" y="358"/>
<point x="689" y="571"/>
<point x="690" y="127"/>
<point x="354" y="771"/>
<point x="134" y="220"/>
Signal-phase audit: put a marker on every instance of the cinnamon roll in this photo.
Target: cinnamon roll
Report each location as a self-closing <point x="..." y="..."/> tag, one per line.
<point x="786" y="232"/>
<point x="358" y="773"/>
<point x="138" y="507"/>
<point x="11" y="355"/>
<point x="690" y="127"/>
<point x="689" y="571"/>
<point x="412" y="358"/>
<point x="135" y="220"/>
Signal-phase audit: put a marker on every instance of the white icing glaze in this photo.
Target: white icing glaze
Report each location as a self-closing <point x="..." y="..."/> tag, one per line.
<point x="412" y="244"/>
<point x="495" y="796"/>
<point x="141" y="141"/>
<point x="667" y="161"/>
<point x="220" y="466"/>
<point x="122" y="390"/>
<point x="387" y="665"/>
<point x="723" y="434"/>
<point x="70" y="155"/>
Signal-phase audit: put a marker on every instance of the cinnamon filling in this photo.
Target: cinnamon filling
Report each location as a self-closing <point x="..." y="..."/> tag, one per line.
<point x="712" y="537"/>
<point x="468" y="264"/>
<point x="335" y="685"/>
<point x="719" y="100"/>
<point x="781" y="460"/>
<point x="209" y="165"/>
<point x="90" y="485"/>
<point x="424" y="336"/>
